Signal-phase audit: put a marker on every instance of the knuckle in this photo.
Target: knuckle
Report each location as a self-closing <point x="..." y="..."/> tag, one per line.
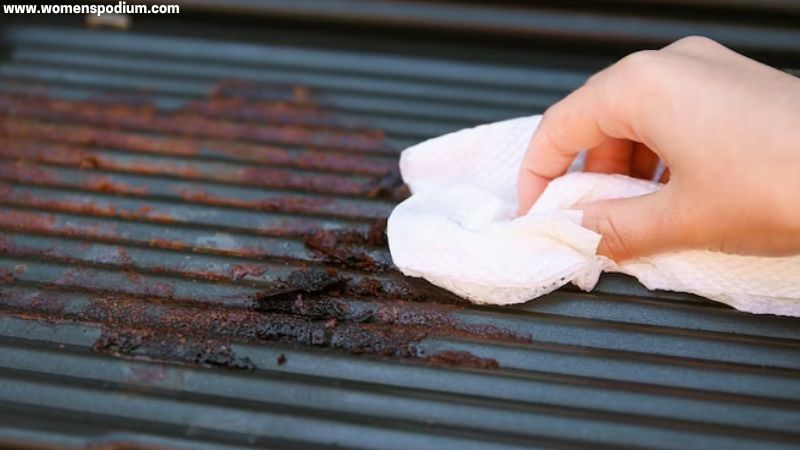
<point x="597" y="76"/>
<point x="645" y="79"/>
<point x="641" y="63"/>
<point x="549" y="116"/>
<point x="693" y="43"/>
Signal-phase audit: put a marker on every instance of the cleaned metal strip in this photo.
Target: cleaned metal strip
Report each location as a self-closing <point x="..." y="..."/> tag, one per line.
<point x="541" y="22"/>
<point x="446" y="92"/>
<point x="309" y="59"/>
<point x="512" y="416"/>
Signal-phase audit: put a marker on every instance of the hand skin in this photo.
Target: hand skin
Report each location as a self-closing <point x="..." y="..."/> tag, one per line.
<point x="727" y="128"/>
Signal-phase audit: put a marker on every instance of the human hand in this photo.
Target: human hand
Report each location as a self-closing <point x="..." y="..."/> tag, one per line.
<point x="727" y="128"/>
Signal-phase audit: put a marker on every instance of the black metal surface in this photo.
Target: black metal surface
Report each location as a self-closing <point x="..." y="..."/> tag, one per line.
<point x="620" y="22"/>
<point x="133" y="238"/>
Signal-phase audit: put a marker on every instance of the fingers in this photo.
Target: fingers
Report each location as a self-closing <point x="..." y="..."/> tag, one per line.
<point x="611" y="156"/>
<point x="566" y="128"/>
<point x="634" y="227"/>
<point x="598" y="111"/>
<point x="530" y="186"/>
<point x="623" y="157"/>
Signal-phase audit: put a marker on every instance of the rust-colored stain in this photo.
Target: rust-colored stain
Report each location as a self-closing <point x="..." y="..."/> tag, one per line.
<point x="27" y="132"/>
<point x="251" y="216"/>
<point x="348" y="247"/>
<point x="463" y="359"/>
<point x="240" y="271"/>
<point x="106" y="184"/>
<point x="146" y="117"/>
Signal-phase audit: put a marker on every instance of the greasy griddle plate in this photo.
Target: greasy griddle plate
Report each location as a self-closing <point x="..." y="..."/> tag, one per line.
<point x="212" y="270"/>
<point x="335" y="288"/>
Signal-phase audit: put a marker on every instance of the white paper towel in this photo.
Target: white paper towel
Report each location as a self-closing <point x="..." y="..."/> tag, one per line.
<point x="458" y="230"/>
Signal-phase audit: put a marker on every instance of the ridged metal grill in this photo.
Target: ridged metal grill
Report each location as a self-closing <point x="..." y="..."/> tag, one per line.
<point x="193" y="257"/>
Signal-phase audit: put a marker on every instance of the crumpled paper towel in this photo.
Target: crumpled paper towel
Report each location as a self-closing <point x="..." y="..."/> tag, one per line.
<point x="459" y="231"/>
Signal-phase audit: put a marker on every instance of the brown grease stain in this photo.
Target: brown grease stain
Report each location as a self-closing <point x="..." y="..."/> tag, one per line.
<point x="284" y="139"/>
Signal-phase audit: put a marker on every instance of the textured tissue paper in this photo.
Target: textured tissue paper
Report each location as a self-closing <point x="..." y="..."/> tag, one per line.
<point x="459" y="231"/>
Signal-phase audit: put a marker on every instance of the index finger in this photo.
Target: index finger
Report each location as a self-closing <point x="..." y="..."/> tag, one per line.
<point x="582" y="120"/>
<point x="566" y="128"/>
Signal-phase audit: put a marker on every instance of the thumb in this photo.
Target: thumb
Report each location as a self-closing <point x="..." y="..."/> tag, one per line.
<point x="634" y="227"/>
